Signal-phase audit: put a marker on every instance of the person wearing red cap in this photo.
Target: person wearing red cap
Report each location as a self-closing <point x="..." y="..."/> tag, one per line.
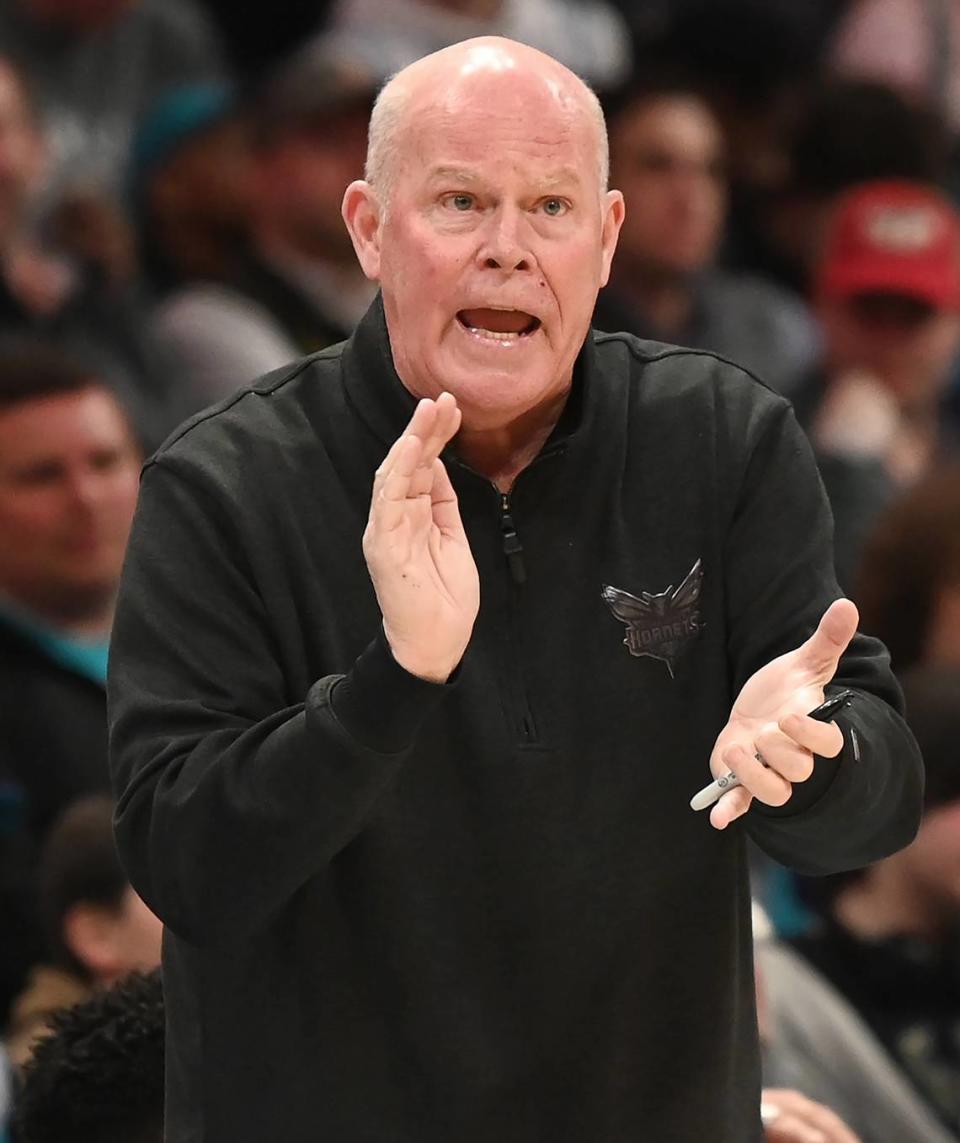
<point x="887" y="294"/>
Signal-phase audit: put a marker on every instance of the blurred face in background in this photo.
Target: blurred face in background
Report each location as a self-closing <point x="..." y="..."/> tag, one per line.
<point x="301" y="177"/>
<point x="69" y="471"/>
<point x="198" y="201"/>
<point x="932" y="862"/>
<point x="21" y="152"/>
<point x="113" y="942"/>
<point x="903" y="341"/>
<point x="667" y="158"/>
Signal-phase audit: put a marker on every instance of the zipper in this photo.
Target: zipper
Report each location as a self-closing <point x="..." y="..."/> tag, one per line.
<point x="513" y="553"/>
<point x="512" y="548"/>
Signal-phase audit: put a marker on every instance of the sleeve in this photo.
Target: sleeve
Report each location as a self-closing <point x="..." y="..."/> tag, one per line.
<point x="229" y="798"/>
<point x="866" y="803"/>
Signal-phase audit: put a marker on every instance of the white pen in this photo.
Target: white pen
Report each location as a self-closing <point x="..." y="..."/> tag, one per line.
<point x="712" y="793"/>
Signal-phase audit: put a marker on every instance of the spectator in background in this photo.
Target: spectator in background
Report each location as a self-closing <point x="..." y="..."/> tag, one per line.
<point x="887" y="295"/>
<point x="589" y="36"/>
<point x="97" y="65"/>
<point x="814" y="1042"/>
<point x="297" y="287"/>
<point x="908" y="586"/>
<point x="834" y="137"/>
<point x="98" y="930"/>
<point x="72" y="293"/>
<point x="667" y="156"/>
<point x="888" y="937"/>
<point x="911" y="45"/>
<point x="887" y="285"/>
<point x="98" y="1078"/>
<point x="69" y="468"/>
<point x="189" y="185"/>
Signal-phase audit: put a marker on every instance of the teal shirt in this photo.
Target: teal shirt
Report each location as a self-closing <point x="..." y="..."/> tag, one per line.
<point x="84" y="657"/>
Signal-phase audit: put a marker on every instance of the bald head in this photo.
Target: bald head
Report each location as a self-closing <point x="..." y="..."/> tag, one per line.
<point x="457" y="78"/>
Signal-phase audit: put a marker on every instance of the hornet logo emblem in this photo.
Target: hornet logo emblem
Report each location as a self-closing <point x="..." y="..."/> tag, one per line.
<point x="659" y="626"/>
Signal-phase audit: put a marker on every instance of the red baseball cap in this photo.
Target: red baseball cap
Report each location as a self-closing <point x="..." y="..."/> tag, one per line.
<point x="893" y="236"/>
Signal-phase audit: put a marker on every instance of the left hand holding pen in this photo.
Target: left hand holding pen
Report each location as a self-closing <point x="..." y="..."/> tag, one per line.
<point x="770" y="718"/>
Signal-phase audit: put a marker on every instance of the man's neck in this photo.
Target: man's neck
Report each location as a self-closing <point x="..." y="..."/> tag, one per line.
<point x="502" y="453"/>
<point x="666" y="299"/>
<point x="885" y="902"/>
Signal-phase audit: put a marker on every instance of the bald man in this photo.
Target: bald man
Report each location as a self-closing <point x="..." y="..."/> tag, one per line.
<point x="428" y="867"/>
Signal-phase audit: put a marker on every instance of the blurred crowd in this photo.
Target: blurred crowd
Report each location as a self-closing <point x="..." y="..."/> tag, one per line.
<point x="170" y="181"/>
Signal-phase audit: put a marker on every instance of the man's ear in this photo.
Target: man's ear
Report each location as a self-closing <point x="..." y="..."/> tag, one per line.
<point x="361" y="213"/>
<point x="614" y="210"/>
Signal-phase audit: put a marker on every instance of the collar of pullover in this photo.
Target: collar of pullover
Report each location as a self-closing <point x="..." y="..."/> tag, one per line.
<point x="379" y="398"/>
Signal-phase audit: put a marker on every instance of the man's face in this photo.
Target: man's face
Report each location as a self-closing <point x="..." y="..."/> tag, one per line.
<point x="667" y="157"/>
<point x="496" y="240"/>
<point x="21" y="153"/>
<point x="907" y="344"/>
<point x="69" y="470"/>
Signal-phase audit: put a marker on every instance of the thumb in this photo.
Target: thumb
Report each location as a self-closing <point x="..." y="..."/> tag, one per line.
<point x="821" y="652"/>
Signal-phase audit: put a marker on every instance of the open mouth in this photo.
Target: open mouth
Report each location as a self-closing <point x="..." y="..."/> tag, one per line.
<point x="499" y="325"/>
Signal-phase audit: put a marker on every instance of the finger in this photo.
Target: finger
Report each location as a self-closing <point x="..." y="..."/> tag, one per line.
<point x="446" y="513"/>
<point x="732" y="805"/>
<point x="388" y="507"/>
<point x="789" y="1129"/>
<point x="822" y="738"/>
<point x="420" y="425"/>
<point x="784" y="756"/>
<point x="445" y="424"/>
<point x="766" y="784"/>
<point x="821" y="652"/>
<point x="831" y="1126"/>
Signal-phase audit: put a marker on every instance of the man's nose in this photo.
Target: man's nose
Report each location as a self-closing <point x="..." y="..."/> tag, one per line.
<point x="505" y="246"/>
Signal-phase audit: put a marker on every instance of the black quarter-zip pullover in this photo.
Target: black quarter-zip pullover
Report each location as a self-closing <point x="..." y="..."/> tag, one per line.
<point x="481" y="912"/>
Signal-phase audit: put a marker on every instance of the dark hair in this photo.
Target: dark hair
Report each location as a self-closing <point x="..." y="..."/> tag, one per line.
<point x="98" y="1076"/>
<point x="912" y="551"/>
<point x="932" y="695"/>
<point x="855" y="131"/>
<point x="30" y="370"/>
<point x="664" y="80"/>
<point x="79" y="864"/>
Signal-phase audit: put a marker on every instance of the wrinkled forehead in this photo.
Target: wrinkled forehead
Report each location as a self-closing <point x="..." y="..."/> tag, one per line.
<point x="490" y="118"/>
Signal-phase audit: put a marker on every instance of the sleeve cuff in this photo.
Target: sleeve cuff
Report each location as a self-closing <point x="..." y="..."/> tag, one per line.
<point x="808" y="794"/>
<point x="382" y="705"/>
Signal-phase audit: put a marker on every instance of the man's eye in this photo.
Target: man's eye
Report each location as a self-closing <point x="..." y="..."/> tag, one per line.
<point x="554" y="206"/>
<point x="461" y="202"/>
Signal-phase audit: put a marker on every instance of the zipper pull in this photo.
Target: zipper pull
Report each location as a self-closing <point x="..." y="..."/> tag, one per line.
<point x="512" y="548"/>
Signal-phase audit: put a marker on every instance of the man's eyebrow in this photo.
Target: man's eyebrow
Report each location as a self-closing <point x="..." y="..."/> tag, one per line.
<point x="453" y="175"/>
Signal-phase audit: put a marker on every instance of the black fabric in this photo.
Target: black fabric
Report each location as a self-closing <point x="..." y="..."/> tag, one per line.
<point x="908" y="991"/>
<point x="53" y="749"/>
<point x="53" y="730"/>
<point x="508" y="925"/>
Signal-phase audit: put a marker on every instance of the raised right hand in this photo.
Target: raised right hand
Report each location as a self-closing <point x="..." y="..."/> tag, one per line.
<point x="416" y="549"/>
